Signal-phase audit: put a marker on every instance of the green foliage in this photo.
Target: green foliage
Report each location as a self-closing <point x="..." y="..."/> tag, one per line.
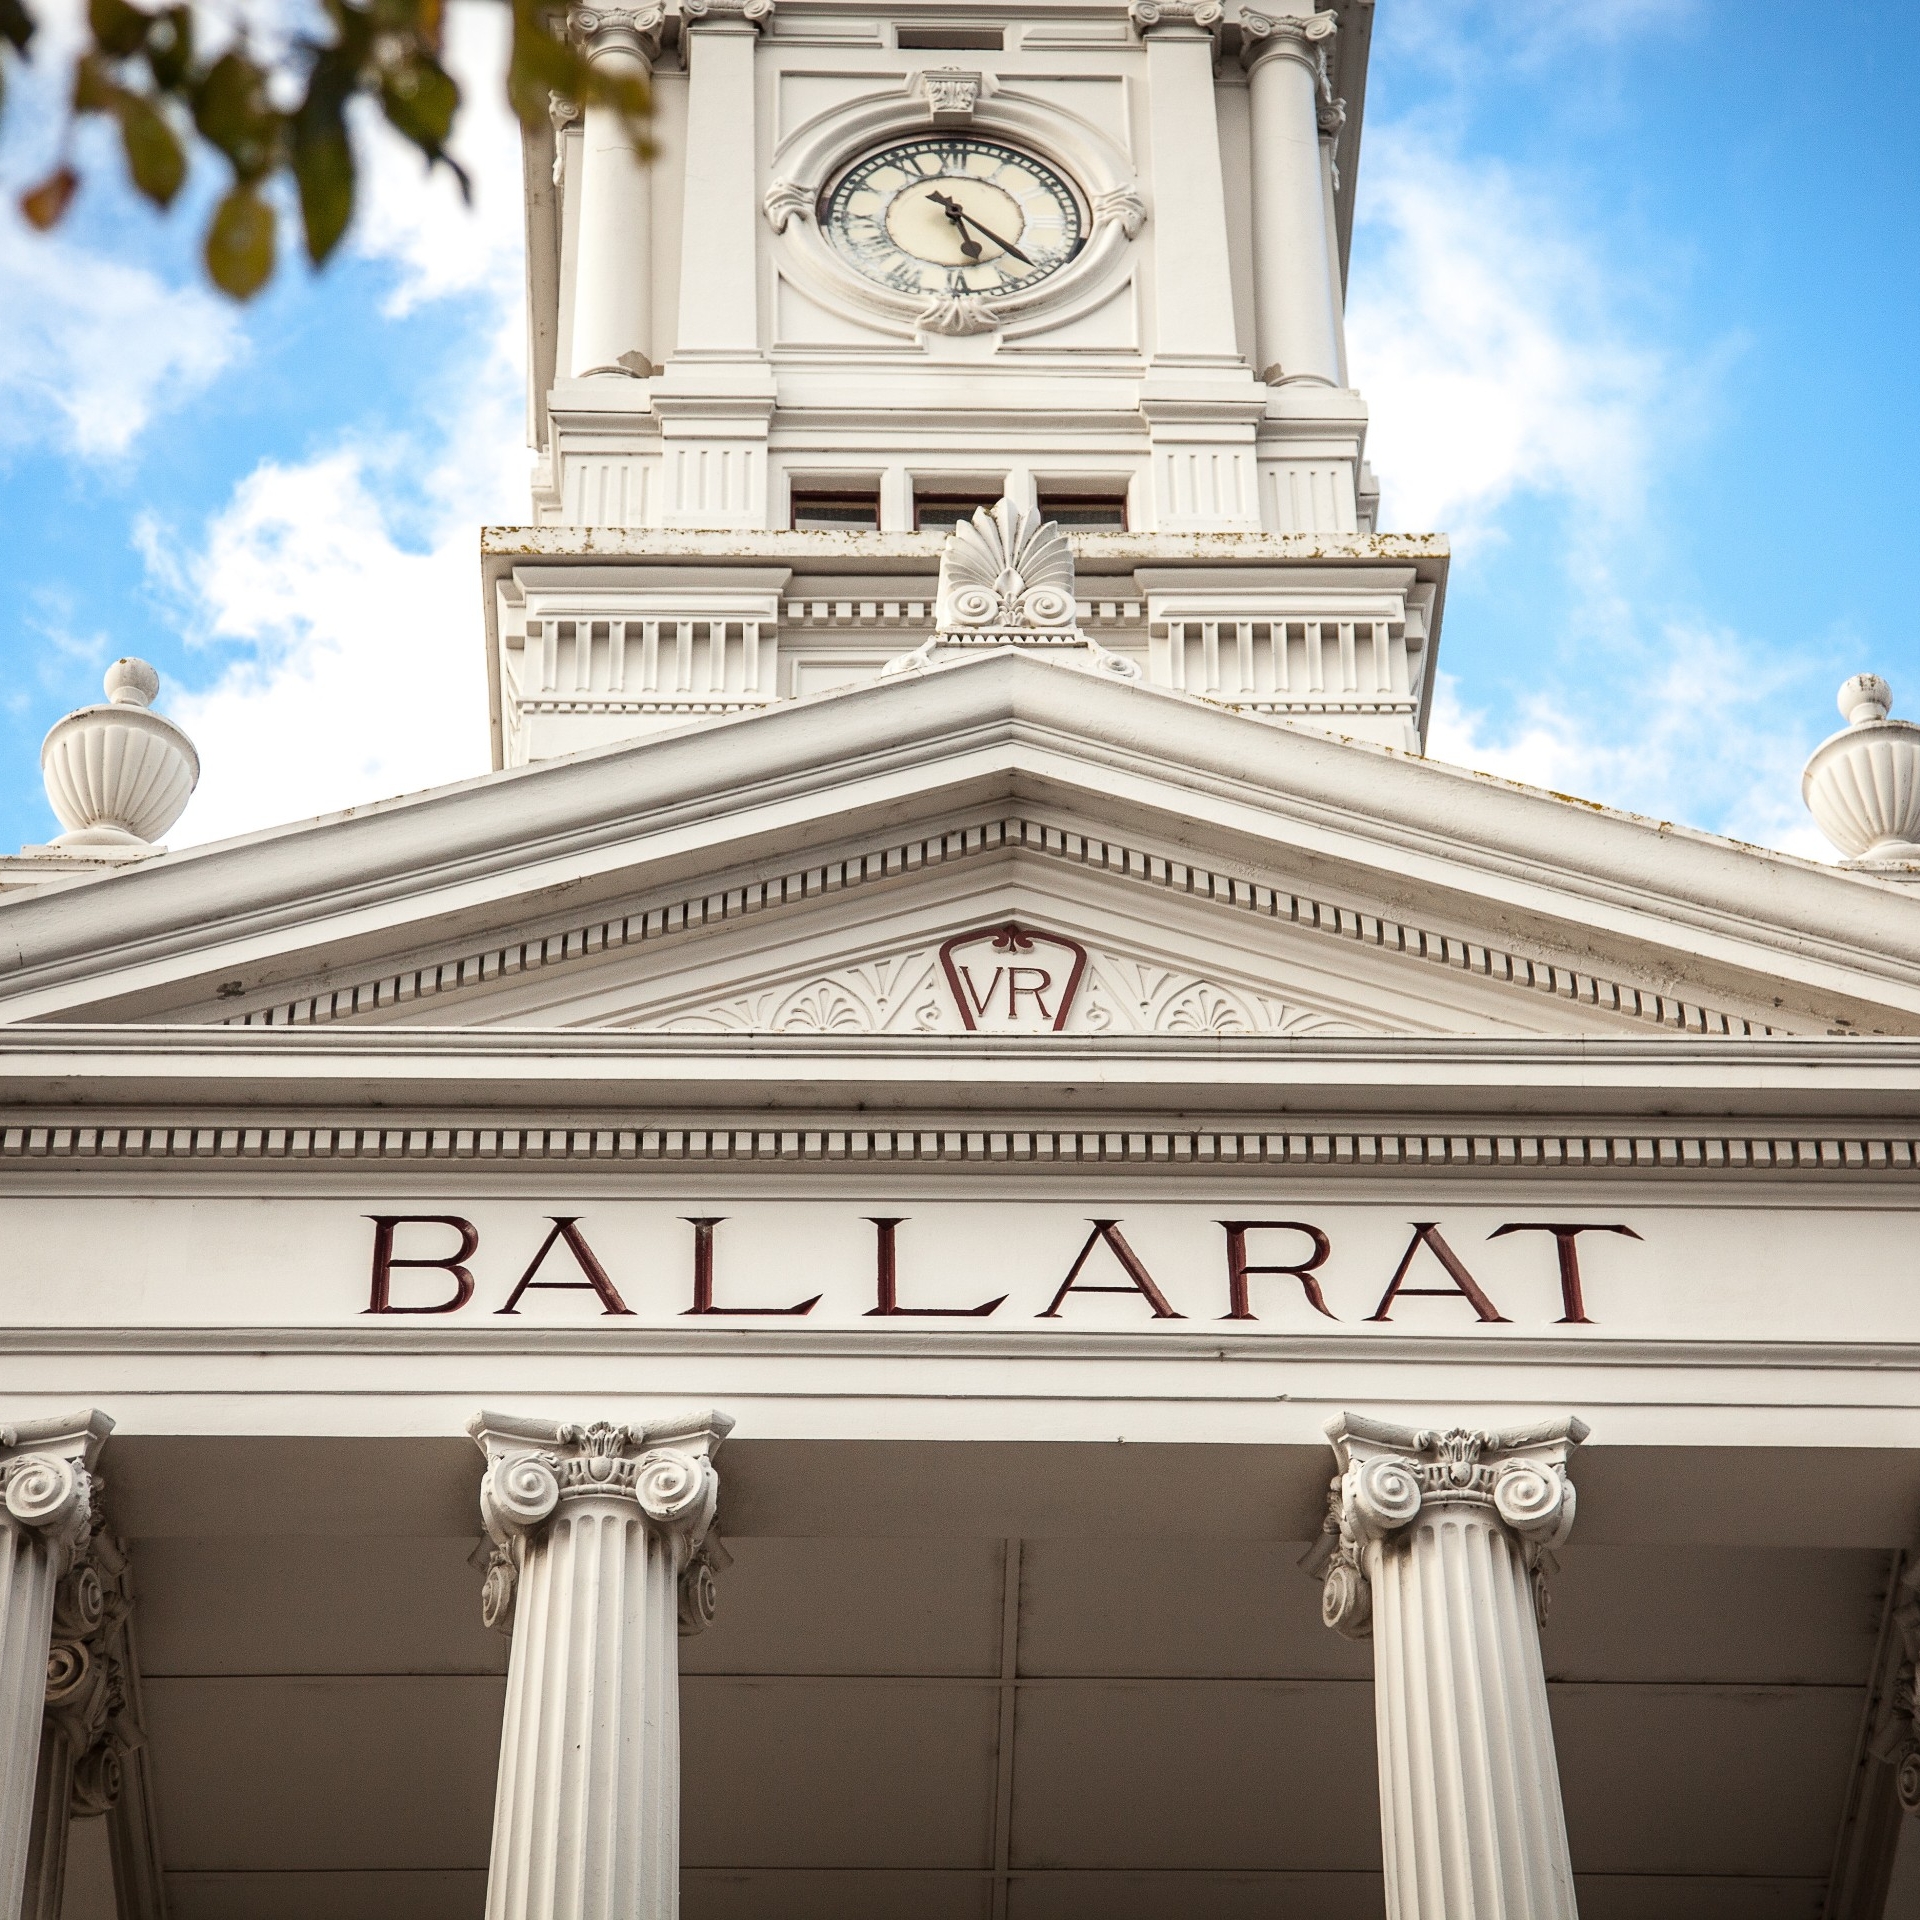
<point x="288" y="115"/>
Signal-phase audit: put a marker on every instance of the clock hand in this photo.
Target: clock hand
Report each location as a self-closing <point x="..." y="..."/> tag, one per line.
<point x="960" y="216"/>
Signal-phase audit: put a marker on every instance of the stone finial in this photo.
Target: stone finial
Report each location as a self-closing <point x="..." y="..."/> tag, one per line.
<point x="118" y="775"/>
<point x="1862" y="785"/>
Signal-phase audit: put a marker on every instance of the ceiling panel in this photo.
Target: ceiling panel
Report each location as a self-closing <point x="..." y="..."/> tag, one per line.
<point x="1162" y="1774"/>
<point x="313" y="1605"/>
<point x="1705" y="1780"/>
<point x="1195" y="1896"/>
<point x="854" y="1606"/>
<point x="1715" y="1614"/>
<point x="1653" y="1897"/>
<point x="1161" y="1607"/>
<point x="327" y="1896"/>
<point x="278" y="1773"/>
<point x="708" y="1894"/>
<point x="837" y="1773"/>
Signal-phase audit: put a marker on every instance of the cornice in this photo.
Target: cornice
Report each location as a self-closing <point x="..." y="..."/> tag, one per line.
<point x="444" y="977"/>
<point x="895" y="1344"/>
<point x="1254" y="794"/>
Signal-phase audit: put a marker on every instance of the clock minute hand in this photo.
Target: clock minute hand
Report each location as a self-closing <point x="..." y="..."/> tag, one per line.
<point x="960" y="216"/>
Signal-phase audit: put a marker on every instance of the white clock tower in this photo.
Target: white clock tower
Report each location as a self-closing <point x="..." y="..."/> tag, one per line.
<point x="891" y="263"/>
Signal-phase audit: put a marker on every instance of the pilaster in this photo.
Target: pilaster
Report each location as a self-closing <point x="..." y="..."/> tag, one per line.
<point x="47" y="1494"/>
<point x="1437" y="1548"/>
<point x="603" y="1554"/>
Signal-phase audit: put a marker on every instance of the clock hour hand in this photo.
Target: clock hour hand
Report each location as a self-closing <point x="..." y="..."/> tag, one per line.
<point x="962" y="218"/>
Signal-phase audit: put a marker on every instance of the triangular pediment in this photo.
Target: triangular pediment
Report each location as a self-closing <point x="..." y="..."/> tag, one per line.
<point x="820" y="869"/>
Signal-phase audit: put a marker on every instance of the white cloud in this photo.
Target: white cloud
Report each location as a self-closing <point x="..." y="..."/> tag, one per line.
<point x="352" y="578"/>
<point x="1483" y="334"/>
<point x="1714" y="732"/>
<point x="419" y="222"/>
<point x="93" y="349"/>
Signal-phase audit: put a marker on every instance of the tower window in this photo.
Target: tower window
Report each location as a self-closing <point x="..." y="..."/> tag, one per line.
<point x="840" y="511"/>
<point x="942" y="512"/>
<point x="1086" y="512"/>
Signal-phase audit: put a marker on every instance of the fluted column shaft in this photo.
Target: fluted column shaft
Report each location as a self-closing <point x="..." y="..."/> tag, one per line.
<point x="1443" y="1542"/>
<point x="602" y="1557"/>
<point x="46" y="1506"/>
<point x="613" y="274"/>
<point x="1296" y="301"/>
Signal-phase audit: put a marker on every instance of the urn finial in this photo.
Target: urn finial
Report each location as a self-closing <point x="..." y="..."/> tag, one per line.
<point x="118" y="775"/>
<point x="1862" y="784"/>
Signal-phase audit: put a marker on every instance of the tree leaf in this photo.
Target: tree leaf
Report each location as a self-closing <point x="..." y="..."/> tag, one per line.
<point x="231" y="109"/>
<point x="421" y="99"/>
<point x="154" y="158"/>
<point x="118" y="29"/>
<point x="16" y="25"/>
<point x="539" y="65"/>
<point x="170" y="48"/>
<point x="240" y="243"/>
<point x="45" y="204"/>
<point x="323" y="167"/>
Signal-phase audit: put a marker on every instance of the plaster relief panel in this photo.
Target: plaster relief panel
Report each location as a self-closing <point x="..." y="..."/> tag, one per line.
<point x="1012" y="978"/>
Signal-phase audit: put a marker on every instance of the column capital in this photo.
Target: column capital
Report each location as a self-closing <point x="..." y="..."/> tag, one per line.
<point x="725" y="15"/>
<point x="633" y="30"/>
<point x="1388" y="1475"/>
<point x="661" y="1469"/>
<point x="89" y="1693"/>
<point x="1175" y="16"/>
<point x="47" y="1483"/>
<point x="1306" y="37"/>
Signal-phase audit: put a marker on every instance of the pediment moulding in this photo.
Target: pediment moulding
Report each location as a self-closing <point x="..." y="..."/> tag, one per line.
<point x="165" y="1147"/>
<point x="442" y="980"/>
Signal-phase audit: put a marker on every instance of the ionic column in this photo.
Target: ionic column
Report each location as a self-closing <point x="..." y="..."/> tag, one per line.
<point x="1295" y="298"/>
<point x="603" y="1554"/>
<point x="1438" y="1547"/>
<point x="46" y="1509"/>
<point x="613" y="259"/>
<point x="92" y="1743"/>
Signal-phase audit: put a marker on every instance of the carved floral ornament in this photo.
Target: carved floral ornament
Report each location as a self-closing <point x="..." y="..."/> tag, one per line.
<point x="1391" y="1476"/>
<point x="663" y="1472"/>
<point x="1006" y="580"/>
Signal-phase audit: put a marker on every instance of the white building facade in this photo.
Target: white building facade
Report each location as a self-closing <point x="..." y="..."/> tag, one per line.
<point x="961" y="1247"/>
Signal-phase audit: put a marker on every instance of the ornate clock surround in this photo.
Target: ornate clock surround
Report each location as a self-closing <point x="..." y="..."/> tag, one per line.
<point x="816" y="153"/>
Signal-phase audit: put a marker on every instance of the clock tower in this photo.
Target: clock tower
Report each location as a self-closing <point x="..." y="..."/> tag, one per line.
<point x="889" y="264"/>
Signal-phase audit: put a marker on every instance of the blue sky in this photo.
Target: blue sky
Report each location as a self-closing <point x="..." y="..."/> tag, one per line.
<point x="1633" y="297"/>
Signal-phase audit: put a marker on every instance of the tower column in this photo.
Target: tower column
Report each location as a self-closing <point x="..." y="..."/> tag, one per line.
<point x="1296" y="304"/>
<point x="1437" y="1547"/>
<point x="603" y="1554"/>
<point x="46" y="1514"/>
<point x="613" y="296"/>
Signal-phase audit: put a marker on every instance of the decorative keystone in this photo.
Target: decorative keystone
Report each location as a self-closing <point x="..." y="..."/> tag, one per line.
<point x="1862" y="785"/>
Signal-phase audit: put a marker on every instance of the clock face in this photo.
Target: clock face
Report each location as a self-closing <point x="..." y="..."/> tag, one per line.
<point x="950" y="214"/>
